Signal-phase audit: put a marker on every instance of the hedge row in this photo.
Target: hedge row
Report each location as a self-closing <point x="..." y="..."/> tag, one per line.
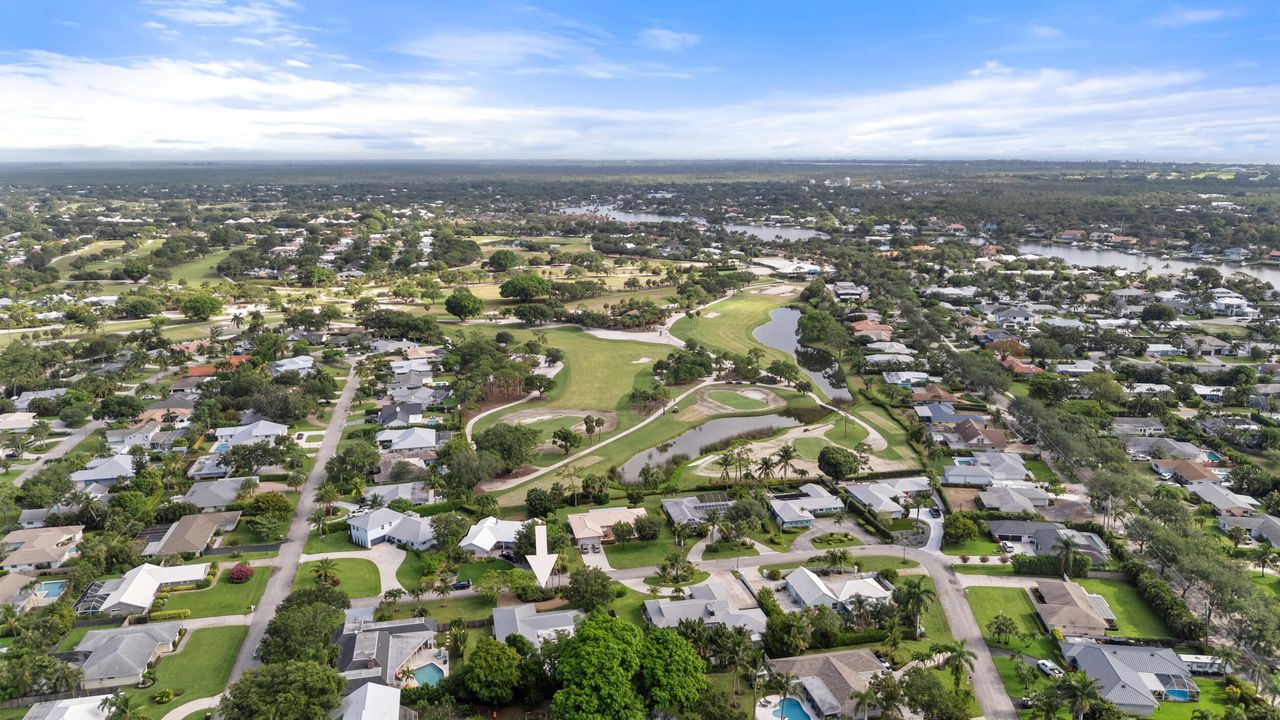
<point x="1171" y="608"/>
<point x="437" y="508"/>
<point x="162" y="615"/>
<point x="1050" y="565"/>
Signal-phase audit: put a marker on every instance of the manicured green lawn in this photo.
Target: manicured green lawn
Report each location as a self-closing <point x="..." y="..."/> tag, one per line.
<point x="933" y="621"/>
<point x="697" y="577"/>
<point x="359" y="577"/>
<point x="336" y="541"/>
<point x="200" y="269"/>
<point x="411" y="569"/>
<point x="201" y="669"/>
<point x="446" y="610"/>
<point x="476" y="569"/>
<point x="974" y="548"/>
<point x="637" y="553"/>
<point x="728" y="550"/>
<point x="223" y="598"/>
<point x="1213" y="698"/>
<point x="630" y="607"/>
<point x="987" y="602"/>
<point x="736" y="400"/>
<point x="1040" y="469"/>
<point x="835" y="540"/>
<point x="1134" y="617"/>
<point x="1268" y="583"/>
<point x="731" y="329"/>
<point x="73" y="638"/>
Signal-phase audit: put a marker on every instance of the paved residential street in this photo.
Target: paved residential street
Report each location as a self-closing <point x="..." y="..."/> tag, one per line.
<point x="281" y="581"/>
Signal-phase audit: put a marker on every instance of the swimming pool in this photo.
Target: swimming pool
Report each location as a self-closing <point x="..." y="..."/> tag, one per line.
<point x="429" y="675"/>
<point x="53" y="588"/>
<point x="1177" y="695"/>
<point x="791" y="709"/>
<point x="1212" y="456"/>
<point x="221" y="447"/>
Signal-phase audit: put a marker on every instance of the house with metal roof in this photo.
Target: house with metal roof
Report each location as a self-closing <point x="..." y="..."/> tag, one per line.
<point x="808" y="589"/>
<point x="491" y="534"/>
<point x="107" y="471"/>
<point x="1136" y="678"/>
<point x="403" y="529"/>
<point x="136" y="590"/>
<point x="692" y="510"/>
<point x="1013" y="499"/>
<point x="80" y="708"/>
<point x="380" y="652"/>
<point x="1222" y="500"/>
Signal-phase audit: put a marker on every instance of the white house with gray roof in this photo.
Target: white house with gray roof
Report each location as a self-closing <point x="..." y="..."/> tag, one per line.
<point x="708" y="603"/>
<point x="1137" y="679"/>
<point x="119" y="656"/>
<point x="527" y="622"/>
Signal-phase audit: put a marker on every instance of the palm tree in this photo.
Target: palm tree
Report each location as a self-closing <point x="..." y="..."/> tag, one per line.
<point x="1080" y="693"/>
<point x="759" y="664"/>
<point x="764" y="467"/>
<point x="1264" y="556"/>
<point x="725" y="463"/>
<point x="914" y="597"/>
<point x="681" y="531"/>
<point x="739" y="657"/>
<point x="41" y="431"/>
<point x="893" y="639"/>
<point x="787" y="454"/>
<point x="784" y="684"/>
<point x="121" y="707"/>
<point x="838" y="558"/>
<point x="18" y="444"/>
<point x="863" y="701"/>
<point x="416" y="592"/>
<point x="1066" y="551"/>
<point x="324" y="571"/>
<point x="237" y="320"/>
<point x="1047" y="701"/>
<point x="713" y="523"/>
<point x="327" y="494"/>
<point x="956" y="657"/>
<point x="393" y="595"/>
<point x="443" y="588"/>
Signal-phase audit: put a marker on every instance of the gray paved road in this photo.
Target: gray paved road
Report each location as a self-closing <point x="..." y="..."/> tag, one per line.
<point x="287" y="561"/>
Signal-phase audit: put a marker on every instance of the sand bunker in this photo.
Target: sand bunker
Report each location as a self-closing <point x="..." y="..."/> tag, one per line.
<point x="642" y="361"/>
<point x="756" y="394"/>
<point x="534" y="415"/>
<point x="712" y="314"/>
<point x="780" y="290"/>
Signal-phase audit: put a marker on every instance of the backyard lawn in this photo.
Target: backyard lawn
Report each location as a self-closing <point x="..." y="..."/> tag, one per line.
<point x="358" y="577"/>
<point x="1213" y="698"/>
<point x="200" y="669"/>
<point x="223" y="598"/>
<point x="476" y="569"/>
<point x="1134" y="617"/>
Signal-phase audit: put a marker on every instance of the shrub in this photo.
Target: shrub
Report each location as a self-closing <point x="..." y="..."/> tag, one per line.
<point x="162" y="615"/>
<point x="162" y="696"/>
<point x="240" y="574"/>
<point x="1050" y="565"/>
<point x="984" y="559"/>
<point x="768" y="603"/>
<point x="964" y="558"/>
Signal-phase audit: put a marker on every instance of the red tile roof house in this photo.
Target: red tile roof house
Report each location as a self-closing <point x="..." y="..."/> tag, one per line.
<point x="211" y="370"/>
<point x="1017" y="367"/>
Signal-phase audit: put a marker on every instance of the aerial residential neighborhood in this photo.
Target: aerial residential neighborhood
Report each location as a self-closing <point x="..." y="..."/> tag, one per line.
<point x="639" y="361"/>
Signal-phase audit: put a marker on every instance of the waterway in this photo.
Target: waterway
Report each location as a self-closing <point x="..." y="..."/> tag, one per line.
<point x="768" y="233"/>
<point x="822" y="369"/>
<point x="1090" y="257"/>
<point x="690" y="443"/>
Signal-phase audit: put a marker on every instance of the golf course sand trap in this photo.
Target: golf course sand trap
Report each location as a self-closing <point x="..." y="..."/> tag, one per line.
<point x="712" y="314"/>
<point x="537" y="415"/>
<point x="760" y="449"/>
<point x="756" y="399"/>
<point x="642" y="361"/>
<point x="780" y="290"/>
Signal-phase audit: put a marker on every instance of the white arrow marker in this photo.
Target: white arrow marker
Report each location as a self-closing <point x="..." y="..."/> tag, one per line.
<point x="541" y="561"/>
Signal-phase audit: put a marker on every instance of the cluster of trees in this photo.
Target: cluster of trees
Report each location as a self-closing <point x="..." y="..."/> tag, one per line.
<point x="683" y="366"/>
<point x="296" y="679"/>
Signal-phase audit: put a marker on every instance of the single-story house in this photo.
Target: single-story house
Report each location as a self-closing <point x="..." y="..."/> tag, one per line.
<point x="1130" y="426"/>
<point x="693" y="510"/>
<point x="1013" y="498"/>
<point x="810" y="590"/>
<point x="386" y="525"/>
<point x="378" y="652"/>
<point x="254" y="432"/>
<point x="1260" y="527"/>
<point x="23" y="402"/>
<point x="407" y="439"/>
<point x="593" y="527"/>
<point x="372" y="701"/>
<point x="490" y="534"/>
<point x="709" y="603"/>
<point x="107" y="471"/>
<point x="215" y="495"/>
<point x="527" y="622"/>
<point x="79" y="708"/>
<point x="944" y="414"/>
<point x="1137" y="679"/>
<point x="40" y="548"/>
<point x="192" y="534"/>
<point x="1072" y="610"/>
<point x="933" y="393"/>
<point x="1222" y="500"/>
<point x="1151" y="447"/>
<point x="208" y="467"/>
<point x="136" y="590"/>
<point x="826" y="681"/>
<point x="415" y="492"/>
<point x="301" y="364"/>
<point x="797" y="510"/>
<point x="120" y="656"/>
<point x="906" y="378"/>
<point x="1184" y="471"/>
<point x="172" y="409"/>
<point x="400" y="414"/>
<point x="126" y="439"/>
<point x="17" y="422"/>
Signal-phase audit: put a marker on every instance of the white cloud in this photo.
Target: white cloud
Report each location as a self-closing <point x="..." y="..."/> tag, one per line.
<point x="1183" y="17"/>
<point x="296" y="63"/>
<point x="490" y="49"/>
<point x="223" y="13"/>
<point x="153" y="25"/>
<point x="173" y="108"/>
<point x="1043" y="32"/>
<point x="667" y="40"/>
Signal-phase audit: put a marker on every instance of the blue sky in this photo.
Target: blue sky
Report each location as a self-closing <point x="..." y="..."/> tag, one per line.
<point x="171" y="79"/>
